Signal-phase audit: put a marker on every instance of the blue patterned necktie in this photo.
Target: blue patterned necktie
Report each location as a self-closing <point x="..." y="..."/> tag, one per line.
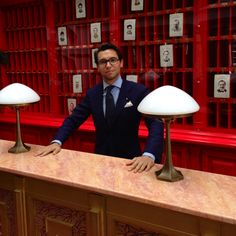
<point x="110" y="105"/>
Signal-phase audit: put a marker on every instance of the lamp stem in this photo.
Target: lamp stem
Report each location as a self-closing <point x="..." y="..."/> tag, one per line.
<point x="168" y="172"/>
<point x="19" y="145"/>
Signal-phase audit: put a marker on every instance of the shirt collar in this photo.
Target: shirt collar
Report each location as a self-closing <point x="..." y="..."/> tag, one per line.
<point x="117" y="83"/>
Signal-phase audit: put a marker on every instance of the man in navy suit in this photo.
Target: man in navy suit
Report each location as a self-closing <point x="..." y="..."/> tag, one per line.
<point x="118" y="136"/>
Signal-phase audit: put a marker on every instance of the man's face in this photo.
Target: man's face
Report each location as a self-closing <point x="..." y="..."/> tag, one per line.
<point x="109" y="72"/>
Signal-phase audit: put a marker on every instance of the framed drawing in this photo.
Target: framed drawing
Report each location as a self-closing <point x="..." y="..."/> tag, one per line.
<point x="176" y="24"/>
<point x="71" y="104"/>
<point x="222" y="86"/>
<point x="133" y="78"/>
<point x="80" y="8"/>
<point x="95" y="31"/>
<point x="77" y="83"/>
<point x="62" y="36"/>
<point x="166" y="55"/>
<point x="94" y="65"/>
<point x="136" y="5"/>
<point x="129" y="29"/>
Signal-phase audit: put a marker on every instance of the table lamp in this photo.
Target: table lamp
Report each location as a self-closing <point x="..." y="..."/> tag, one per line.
<point x="167" y="103"/>
<point x="18" y="95"/>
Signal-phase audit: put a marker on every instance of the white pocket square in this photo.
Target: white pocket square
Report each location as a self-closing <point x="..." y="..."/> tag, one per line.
<point x="128" y="104"/>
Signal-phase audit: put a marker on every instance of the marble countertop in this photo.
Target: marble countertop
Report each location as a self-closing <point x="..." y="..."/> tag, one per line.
<point x="203" y="194"/>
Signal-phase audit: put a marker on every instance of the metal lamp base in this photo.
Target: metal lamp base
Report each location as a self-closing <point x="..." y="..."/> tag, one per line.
<point x="19" y="148"/>
<point x="169" y="174"/>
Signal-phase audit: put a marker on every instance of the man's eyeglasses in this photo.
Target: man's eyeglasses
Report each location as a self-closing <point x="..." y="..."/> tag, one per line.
<point x="112" y="61"/>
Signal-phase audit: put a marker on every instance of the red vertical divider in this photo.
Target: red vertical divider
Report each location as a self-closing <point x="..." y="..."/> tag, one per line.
<point x="31" y="39"/>
<point x="64" y="59"/>
<point x="22" y="61"/>
<point x="20" y="36"/>
<point x="85" y="58"/>
<point x="15" y="42"/>
<point x="77" y="34"/>
<point x="17" y="61"/>
<point x="51" y="52"/>
<point x="28" y="61"/>
<point x="39" y="60"/>
<point x="9" y="18"/>
<point x="37" y="36"/>
<point x="71" y="56"/>
<point x="78" y="60"/>
<point x="14" y="18"/>
<point x="19" y="17"/>
<point x="85" y="34"/>
<point x="26" y="38"/>
<point x="35" y="10"/>
<point x="9" y="39"/>
<point x="12" y="61"/>
<point x="33" y="60"/>
<point x="30" y="16"/>
<point x="70" y="85"/>
<point x="68" y="11"/>
<point x="45" y="60"/>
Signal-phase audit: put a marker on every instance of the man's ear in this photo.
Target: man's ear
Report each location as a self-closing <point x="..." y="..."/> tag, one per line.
<point x="121" y="63"/>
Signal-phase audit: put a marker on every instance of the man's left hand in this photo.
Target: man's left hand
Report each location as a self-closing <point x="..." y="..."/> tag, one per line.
<point x="140" y="164"/>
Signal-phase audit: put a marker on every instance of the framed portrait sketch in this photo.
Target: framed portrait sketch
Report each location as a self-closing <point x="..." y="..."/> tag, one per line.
<point x="166" y="55"/>
<point x="77" y="84"/>
<point x="129" y="29"/>
<point x="95" y="31"/>
<point x="94" y="65"/>
<point x="222" y="86"/>
<point x="62" y="36"/>
<point x="176" y="24"/>
<point x="71" y="104"/>
<point x="133" y="78"/>
<point x="137" y="5"/>
<point x="80" y="8"/>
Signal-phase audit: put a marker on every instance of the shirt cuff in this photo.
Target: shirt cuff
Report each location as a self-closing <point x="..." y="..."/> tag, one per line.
<point x="149" y="155"/>
<point x="57" y="141"/>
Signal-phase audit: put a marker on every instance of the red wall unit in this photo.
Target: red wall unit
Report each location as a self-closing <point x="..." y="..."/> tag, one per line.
<point x="206" y="48"/>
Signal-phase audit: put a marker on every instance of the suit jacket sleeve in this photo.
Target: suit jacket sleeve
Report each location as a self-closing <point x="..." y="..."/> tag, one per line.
<point x="73" y="122"/>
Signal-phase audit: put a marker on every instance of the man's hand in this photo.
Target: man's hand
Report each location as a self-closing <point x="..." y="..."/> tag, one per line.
<point x="140" y="164"/>
<point x="53" y="148"/>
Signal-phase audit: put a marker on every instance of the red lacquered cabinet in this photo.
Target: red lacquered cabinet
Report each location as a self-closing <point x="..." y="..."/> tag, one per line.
<point x="203" y="50"/>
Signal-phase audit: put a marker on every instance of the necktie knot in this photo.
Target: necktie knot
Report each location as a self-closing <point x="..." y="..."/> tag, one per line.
<point x="109" y="88"/>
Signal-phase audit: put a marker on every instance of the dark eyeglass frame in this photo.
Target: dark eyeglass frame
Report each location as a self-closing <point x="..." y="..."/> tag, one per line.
<point x="112" y="61"/>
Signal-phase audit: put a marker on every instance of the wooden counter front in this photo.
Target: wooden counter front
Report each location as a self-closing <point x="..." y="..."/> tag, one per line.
<point x="77" y="193"/>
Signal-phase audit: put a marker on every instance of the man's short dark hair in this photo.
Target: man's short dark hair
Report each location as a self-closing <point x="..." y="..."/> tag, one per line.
<point x="107" y="46"/>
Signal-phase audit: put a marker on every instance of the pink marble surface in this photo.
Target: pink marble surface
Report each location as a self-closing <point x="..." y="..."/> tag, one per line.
<point x="202" y="194"/>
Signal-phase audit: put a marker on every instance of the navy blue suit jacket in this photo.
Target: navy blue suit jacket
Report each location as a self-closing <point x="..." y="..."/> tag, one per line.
<point x="121" y="138"/>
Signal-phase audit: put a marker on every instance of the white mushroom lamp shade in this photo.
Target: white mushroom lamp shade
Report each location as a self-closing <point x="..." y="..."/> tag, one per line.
<point x="168" y="102"/>
<point x="17" y="95"/>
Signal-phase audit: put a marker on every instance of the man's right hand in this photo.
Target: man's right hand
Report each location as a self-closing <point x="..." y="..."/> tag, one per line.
<point x="53" y="148"/>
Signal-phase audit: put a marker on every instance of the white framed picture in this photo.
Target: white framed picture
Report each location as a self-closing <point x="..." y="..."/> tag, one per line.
<point x="62" y="36"/>
<point x="166" y="55"/>
<point x="129" y="29"/>
<point x="222" y="86"/>
<point x="176" y="24"/>
<point x="77" y="84"/>
<point x="133" y="78"/>
<point x="80" y="6"/>
<point x="71" y="104"/>
<point x="136" y="5"/>
<point x="94" y="65"/>
<point x="95" y="31"/>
